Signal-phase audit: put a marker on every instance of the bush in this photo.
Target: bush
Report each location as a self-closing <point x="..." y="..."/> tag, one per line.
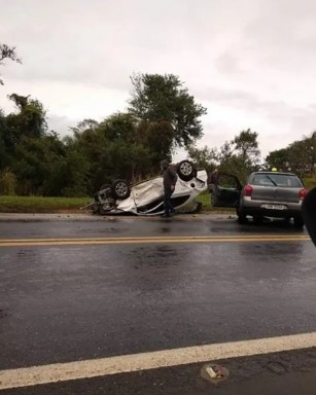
<point x="7" y="182"/>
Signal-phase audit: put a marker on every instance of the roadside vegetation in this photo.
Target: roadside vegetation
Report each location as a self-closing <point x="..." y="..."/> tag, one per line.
<point x="36" y="163"/>
<point x="38" y="204"/>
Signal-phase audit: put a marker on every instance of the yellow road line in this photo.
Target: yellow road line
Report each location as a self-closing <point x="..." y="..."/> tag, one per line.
<point x="233" y="236"/>
<point x="59" y="372"/>
<point x="151" y="240"/>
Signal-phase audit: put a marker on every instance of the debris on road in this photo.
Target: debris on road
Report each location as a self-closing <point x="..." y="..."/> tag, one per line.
<point x="214" y="373"/>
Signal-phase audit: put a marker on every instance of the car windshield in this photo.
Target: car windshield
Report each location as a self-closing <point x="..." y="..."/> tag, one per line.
<point x="279" y="180"/>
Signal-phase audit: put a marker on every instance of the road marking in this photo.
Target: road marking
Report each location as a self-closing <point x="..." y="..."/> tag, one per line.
<point x="260" y="235"/>
<point x="35" y="375"/>
<point x="151" y="240"/>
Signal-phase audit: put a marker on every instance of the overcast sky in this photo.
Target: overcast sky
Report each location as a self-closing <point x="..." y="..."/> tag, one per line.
<point x="252" y="63"/>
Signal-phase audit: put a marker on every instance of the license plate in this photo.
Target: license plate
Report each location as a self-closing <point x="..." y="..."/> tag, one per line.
<point x="274" y="206"/>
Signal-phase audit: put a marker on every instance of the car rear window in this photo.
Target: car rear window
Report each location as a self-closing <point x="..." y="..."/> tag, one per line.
<point x="279" y="180"/>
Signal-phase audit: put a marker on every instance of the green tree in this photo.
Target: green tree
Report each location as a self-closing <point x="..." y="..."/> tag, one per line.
<point x="298" y="157"/>
<point x="111" y="149"/>
<point x="120" y="126"/>
<point x="152" y="141"/>
<point x="7" y="53"/>
<point x="71" y="176"/>
<point x="7" y="182"/>
<point x="240" y="156"/>
<point x="225" y="153"/>
<point x="246" y="144"/>
<point x="27" y="123"/>
<point x="158" y="138"/>
<point x="311" y="143"/>
<point x="87" y="146"/>
<point x="246" y="154"/>
<point x="35" y="162"/>
<point x="204" y="158"/>
<point x="3" y="148"/>
<point x="163" y="98"/>
<point x="30" y="121"/>
<point x="300" y="154"/>
<point x="279" y="159"/>
<point x="230" y="162"/>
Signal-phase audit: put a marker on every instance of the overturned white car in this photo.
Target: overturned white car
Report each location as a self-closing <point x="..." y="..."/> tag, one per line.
<point x="146" y="197"/>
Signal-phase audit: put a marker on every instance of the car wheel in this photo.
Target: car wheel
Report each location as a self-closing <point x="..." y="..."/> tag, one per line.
<point x="242" y="216"/>
<point x="287" y="221"/>
<point x="120" y="189"/>
<point x="298" y="222"/>
<point x="186" y="170"/>
<point x="257" y="219"/>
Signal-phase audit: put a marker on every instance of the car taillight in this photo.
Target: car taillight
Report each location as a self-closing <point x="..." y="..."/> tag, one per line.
<point x="303" y="193"/>
<point x="248" y="190"/>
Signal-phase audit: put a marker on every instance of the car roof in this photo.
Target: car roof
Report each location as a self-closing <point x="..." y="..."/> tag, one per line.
<point x="275" y="172"/>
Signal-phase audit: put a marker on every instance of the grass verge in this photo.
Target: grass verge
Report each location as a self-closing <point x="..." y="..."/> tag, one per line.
<point x="205" y="199"/>
<point x="51" y="205"/>
<point x="38" y="204"/>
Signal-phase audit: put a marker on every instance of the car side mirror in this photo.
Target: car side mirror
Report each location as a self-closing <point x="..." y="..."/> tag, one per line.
<point x="309" y="213"/>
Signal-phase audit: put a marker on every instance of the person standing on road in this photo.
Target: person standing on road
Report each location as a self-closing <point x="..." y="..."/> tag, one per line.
<point x="170" y="179"/>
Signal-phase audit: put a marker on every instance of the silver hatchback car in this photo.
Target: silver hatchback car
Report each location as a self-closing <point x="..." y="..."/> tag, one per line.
<point x="267" y="194"/>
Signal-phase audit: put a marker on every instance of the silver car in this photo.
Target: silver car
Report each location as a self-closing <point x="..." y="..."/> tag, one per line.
<point x="266" y="194"/>
<point x="147" y="197"/>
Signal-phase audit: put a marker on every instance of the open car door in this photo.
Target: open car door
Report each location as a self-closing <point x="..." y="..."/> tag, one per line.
<point x="227" y="191"/>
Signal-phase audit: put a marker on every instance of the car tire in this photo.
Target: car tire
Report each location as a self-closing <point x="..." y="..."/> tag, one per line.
<point x="186" y="170"/>
<point x="241" y="216"/>
<point x="257" y="219"/>
<point x="120" y="189"/>
<point x="298" y="222"/>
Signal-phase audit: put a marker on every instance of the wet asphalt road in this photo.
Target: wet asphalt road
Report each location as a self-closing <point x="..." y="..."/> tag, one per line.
<point x="70" y="303"/>
<point x="130" y="226"/>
